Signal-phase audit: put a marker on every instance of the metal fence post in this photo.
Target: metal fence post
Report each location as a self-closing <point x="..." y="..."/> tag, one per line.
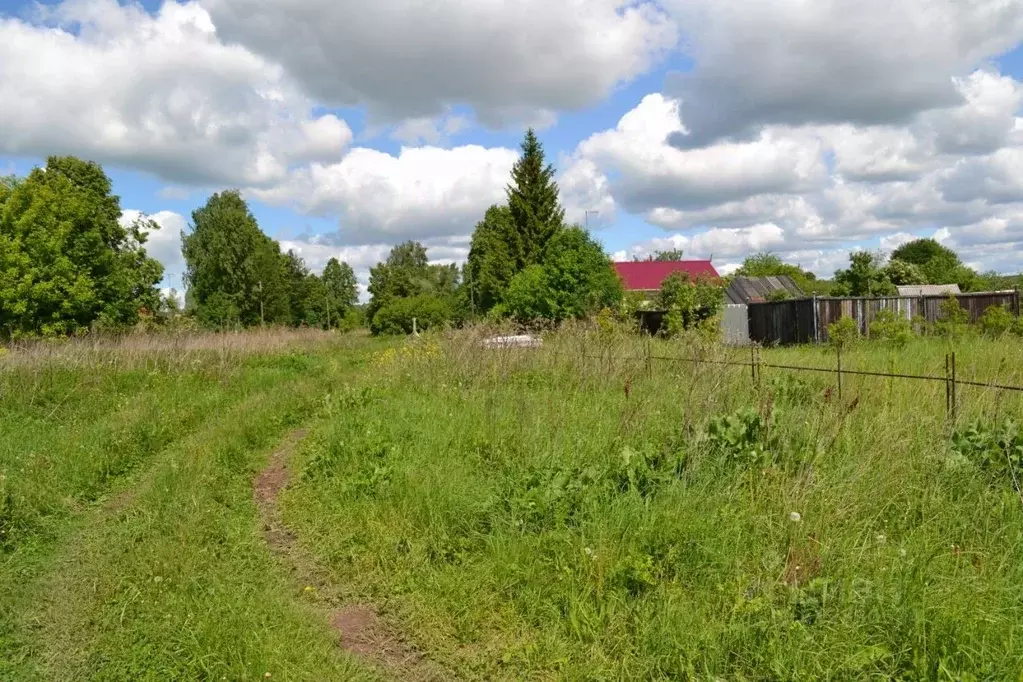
<point x="753" y="363"/>
<point x="955" y="402"/>
<point x="948" y="387"/>
<point x="839" y="349"/>
<point x="649" y="359"/>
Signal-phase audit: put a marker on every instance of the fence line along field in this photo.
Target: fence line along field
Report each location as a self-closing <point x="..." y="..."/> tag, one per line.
<point x="450" y="511"/>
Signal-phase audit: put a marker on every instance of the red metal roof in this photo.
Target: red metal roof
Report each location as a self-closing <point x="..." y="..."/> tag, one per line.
<point x="647" y="275"/>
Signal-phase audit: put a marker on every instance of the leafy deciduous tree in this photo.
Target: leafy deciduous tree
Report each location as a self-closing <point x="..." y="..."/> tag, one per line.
<point x="669" y="255"/>
<point x="901" y="273"/>
<point x="920" y="252"/>
<point x="938" y="264"/>
<point x="232" y="268"/>
<point x="574" y="280"/>
<point x="407" y="274"/>
<point x="864" y="277"/>
<point x="340" y="291"/>
<point x="66" y="260"/>
<point x="689" y="302"/>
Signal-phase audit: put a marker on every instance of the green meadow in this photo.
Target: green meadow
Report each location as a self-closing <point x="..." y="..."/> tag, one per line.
<point x="595" y="509"/>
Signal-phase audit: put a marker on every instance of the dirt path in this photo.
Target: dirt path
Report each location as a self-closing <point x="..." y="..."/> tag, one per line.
<point x="362" y="632"/>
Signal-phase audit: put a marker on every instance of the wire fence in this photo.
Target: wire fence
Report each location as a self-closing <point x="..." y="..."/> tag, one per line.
<point x="950" y="379"/>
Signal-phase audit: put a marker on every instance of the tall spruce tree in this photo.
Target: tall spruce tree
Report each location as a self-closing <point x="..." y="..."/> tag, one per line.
<point x="536" y="213"/>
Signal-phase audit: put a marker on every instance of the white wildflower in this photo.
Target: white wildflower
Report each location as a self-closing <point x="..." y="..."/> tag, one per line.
<point x="795" y="517"/>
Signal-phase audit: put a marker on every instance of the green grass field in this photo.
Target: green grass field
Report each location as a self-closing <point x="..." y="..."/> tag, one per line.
<point x="573" y="512"/>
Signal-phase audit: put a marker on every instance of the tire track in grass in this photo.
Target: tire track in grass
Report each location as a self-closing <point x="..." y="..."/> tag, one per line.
<point x="72" y="626"/>
<point x="362" y="631"/>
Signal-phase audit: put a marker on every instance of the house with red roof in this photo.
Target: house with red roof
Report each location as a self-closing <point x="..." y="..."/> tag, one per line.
<point x="647" y="276"/>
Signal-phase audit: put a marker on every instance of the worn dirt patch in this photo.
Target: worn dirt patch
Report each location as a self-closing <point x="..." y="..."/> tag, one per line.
<point x="267" y="488"/>
<point x="361" y="630"/>
<point x="363" y="633"/>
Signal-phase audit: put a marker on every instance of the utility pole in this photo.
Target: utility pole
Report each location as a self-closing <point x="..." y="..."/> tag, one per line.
<point x="587" y="219"/>
<point x="261" y="322"/>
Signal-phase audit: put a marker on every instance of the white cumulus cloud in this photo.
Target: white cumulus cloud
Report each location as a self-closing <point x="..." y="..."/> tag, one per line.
<point x="799" y="62"/>
<point x="420" y="193"/>
<point x="510" y="60"/>
<point x="156" y="93"/>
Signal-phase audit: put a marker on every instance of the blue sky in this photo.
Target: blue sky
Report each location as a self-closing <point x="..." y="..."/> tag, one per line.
<point x="723" y="127"/>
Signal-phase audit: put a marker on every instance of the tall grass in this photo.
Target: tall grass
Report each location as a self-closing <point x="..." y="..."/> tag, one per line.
<point x="581" y="512"/>
<point x="129" y="544"/>
<point x="599" y="508"/>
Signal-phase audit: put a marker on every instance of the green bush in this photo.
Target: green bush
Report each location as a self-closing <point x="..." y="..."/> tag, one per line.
<point x="843" y="333"/>
<point x="689" y="304"/>
<point x="997" y="321"/>
<point x="674" y="324"/>
<point x="574" y="280"/>
<point x="953" y="320"/>
<point x="891" y="328"/>
<point x="219" y="312"/>
<point x="528" y="297"/>
<point x="395" y="317"/>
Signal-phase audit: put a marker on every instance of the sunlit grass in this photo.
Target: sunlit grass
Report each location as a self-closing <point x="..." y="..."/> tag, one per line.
<point x="565" y="512"/>
<point x="599" y="508"/>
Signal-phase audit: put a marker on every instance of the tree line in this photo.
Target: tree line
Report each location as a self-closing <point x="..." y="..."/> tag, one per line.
<point x="525" y="263"/>
<point x="920" y="261"/>
<point x="237" y="276"/>
<point x="70" y="264"/>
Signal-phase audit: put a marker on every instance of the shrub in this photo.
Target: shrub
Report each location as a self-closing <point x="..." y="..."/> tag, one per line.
<point x="574" y="280"/>
<point x="219" y="312"/>
<point x="953" y="319"/>
<point x="428" y="310"/>
<point x="580" y="275"/>
<point x="528" y="298"/>
<point x="674" y="324"/>
<point x="688" y="303"/>
<point x="843" y="333"/>
<point x="891" y="328"/>
<point x="997" y="321"/>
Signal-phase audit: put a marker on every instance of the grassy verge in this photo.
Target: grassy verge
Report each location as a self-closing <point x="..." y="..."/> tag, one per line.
<point x="132" y="549"/>
<point x="568" y="514"/>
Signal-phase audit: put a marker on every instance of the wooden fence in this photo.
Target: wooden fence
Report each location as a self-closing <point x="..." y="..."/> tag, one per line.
<point x="806" y="320"/>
